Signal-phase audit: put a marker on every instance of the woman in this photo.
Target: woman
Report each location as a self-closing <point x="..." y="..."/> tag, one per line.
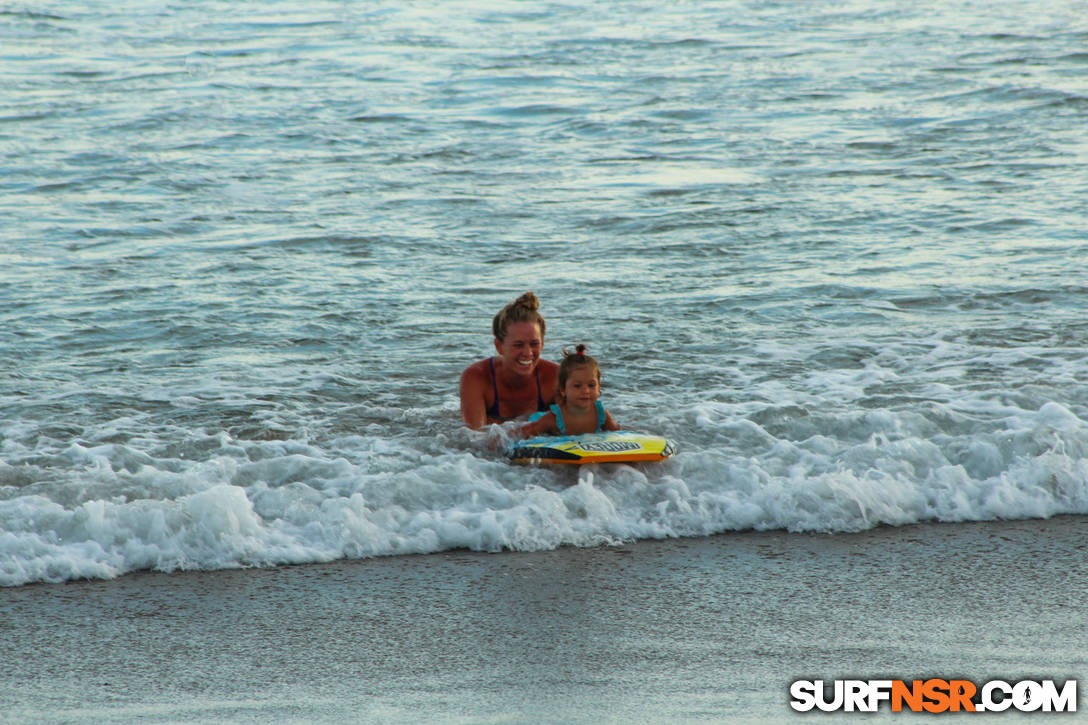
<point x="515" y="382"/>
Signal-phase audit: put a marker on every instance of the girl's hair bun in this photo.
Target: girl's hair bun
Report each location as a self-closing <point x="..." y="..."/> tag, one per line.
<point x="573" y="360"/>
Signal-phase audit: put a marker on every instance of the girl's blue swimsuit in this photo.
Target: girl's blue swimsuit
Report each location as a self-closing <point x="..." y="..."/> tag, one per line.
<point x="562" y="426"/>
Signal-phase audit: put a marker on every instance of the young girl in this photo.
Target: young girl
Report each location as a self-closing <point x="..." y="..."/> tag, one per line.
<point x="578" y="410"/>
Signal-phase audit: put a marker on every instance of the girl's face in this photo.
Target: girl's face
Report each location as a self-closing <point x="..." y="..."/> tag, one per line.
<point x="520" y="350"/>
<point x="583" y="386"/>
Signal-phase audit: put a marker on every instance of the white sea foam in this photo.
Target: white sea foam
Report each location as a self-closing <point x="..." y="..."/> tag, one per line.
<point x="115" y="509"/>
<point x="232" y="320"/>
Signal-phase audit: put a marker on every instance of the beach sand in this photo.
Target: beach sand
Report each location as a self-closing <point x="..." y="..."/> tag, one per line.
<point x="706" y="629"/>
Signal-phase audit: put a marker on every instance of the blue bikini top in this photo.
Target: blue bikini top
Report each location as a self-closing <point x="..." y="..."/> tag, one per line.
<point x="493" y="411"/>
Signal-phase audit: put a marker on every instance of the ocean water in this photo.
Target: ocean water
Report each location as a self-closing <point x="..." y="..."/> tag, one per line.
<point x="834" y="250"/>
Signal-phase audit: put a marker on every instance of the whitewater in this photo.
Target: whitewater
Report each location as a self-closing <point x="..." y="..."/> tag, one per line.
<point x="834" y="252"/>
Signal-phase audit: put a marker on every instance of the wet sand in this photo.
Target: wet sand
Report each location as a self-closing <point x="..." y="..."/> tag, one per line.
<point x="692" y="630"/>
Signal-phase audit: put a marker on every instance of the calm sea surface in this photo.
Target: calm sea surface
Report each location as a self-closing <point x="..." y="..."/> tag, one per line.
<point x="835" y="250"/>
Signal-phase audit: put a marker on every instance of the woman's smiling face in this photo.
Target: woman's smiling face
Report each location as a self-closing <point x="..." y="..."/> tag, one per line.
<point x="520" y="350"/>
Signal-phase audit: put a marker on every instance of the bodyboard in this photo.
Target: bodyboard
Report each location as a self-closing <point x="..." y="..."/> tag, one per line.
<point x="621" y="446"/>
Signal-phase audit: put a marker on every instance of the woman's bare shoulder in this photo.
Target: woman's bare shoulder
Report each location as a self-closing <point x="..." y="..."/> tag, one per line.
<point x="478" y="370"/>
<point x="548" y="369"/>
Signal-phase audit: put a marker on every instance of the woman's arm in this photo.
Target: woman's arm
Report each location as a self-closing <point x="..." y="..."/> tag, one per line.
<point x="473" y="404"/>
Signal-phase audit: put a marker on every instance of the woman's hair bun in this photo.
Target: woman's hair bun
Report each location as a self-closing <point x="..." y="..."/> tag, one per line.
<point x="523" y="309"/>
<point x="527" y="301"/>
